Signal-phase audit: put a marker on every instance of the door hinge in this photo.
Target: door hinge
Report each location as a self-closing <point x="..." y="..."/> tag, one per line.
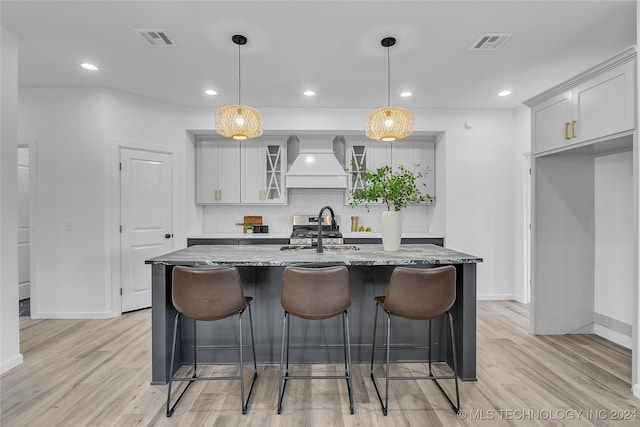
<point x="120" y="229"/>
<point x="120" y="166"/>
<point x="120" y="291"/>
<point x="529" y="171"/>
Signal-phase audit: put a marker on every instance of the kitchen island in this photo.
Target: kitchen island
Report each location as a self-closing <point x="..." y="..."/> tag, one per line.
<point x="261" y="268"/>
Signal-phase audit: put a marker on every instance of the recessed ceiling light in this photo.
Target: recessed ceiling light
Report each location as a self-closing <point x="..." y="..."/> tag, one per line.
<point x="308" y="93"/>
<point x="504" y="93"/>
<point x="210" y="92"/>
<point x="406" y="94"/>
<point x="89" y="67"/>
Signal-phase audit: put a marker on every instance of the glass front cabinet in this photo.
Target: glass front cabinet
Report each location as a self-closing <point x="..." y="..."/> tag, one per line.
<point x="263" y="168"/>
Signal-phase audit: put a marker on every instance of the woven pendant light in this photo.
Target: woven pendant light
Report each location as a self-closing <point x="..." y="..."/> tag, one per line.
<point x="239" y="121"/>
<point x="389" y="123"/>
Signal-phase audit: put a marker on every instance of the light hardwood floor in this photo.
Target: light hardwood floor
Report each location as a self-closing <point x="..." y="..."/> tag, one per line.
<point x="97" y="373"/>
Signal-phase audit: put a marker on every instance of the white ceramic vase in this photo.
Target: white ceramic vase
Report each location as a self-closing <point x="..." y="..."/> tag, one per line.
<point x="391" y="227"/>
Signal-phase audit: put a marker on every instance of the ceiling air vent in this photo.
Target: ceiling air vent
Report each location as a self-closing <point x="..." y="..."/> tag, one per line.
<point x="155" y="37"/>
<point x="490" y="41"/>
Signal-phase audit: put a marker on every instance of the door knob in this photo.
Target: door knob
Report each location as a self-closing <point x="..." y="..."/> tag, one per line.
<point x="168" y="236"/>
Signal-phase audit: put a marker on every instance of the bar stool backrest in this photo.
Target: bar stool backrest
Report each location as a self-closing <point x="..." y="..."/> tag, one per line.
<point x="315" y="293"/>
<point x="421" y="293"/>
<point x="209" y="293"/>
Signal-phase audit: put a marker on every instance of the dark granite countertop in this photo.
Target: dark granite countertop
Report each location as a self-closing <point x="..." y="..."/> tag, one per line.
<point x="271" y="255"/>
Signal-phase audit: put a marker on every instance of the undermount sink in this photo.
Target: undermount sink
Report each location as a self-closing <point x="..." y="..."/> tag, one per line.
<point x="328" y="248"/>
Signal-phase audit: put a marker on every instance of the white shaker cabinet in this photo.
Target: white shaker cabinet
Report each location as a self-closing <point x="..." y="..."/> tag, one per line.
<point x="604" y="104"/>
<point x="593" y="107"/>
<point x="416" y="156"/>
<point x="263" y="164"/>
<point x="217" y="172"/>
<point x="550" y="122"/>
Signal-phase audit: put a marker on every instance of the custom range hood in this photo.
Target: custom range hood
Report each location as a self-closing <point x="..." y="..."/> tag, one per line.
<point x="315" y="164"/>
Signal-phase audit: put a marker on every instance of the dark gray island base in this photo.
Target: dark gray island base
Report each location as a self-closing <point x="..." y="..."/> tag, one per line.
<point x="261" y="269"/>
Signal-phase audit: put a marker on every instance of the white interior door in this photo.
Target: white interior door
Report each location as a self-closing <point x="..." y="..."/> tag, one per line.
<point x="24" y="281"/>
<point x="146" y="221"/>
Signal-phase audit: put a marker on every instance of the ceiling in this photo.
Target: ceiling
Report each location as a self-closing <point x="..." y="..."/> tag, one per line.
<point x="332" y="47"/>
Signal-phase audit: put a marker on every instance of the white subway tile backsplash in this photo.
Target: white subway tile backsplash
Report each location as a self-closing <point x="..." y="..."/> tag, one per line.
<point x="223" y="219"/>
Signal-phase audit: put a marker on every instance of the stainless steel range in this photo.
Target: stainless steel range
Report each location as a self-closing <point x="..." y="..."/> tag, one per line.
<point x="305" y="231"/>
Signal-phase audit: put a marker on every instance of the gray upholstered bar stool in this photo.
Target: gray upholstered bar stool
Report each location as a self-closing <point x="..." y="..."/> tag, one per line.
<point x="205" y="294"/>
<point x="315" y="294"/>
<point x="417" y="294"/>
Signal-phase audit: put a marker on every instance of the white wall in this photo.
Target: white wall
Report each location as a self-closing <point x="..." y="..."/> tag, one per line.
<point x="635" y="361"/>
<point x="522" y="204"/>
<point x="9" y="328"/>
<point x="70" y="274"/>
<point x="79" y="132"/>
<point x="614" y="247"/>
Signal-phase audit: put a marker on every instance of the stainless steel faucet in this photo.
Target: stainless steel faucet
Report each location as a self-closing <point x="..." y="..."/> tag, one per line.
<point x="333" y="225"/>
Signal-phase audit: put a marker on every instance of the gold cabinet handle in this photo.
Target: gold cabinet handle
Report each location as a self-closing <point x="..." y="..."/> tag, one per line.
<point x="566" y="130"/>
<point x="573" y="129"/>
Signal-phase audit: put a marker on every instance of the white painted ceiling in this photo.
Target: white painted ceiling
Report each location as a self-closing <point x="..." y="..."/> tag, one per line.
<point x="332" y="47"/>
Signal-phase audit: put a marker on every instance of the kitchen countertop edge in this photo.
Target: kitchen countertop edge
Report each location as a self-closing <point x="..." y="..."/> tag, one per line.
<point x="280" y="235"/>
<point x="272" y="256"/>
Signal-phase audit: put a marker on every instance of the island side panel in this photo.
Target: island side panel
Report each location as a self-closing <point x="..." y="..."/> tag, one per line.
<point x="162" y="318"/>
<point x="464" y="322"/>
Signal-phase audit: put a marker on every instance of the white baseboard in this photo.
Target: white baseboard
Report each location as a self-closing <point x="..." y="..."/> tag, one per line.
<point x="636" y="390"/>
<point x="614" y="336"/>
<point x="74" y="315"/>
<point x="489" y="297"/>
<point x="7" y="365"/>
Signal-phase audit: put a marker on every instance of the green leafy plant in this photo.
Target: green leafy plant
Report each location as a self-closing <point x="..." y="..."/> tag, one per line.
<point x="394" y="189"/>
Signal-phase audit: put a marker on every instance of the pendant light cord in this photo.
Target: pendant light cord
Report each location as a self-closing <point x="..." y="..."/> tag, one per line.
<point x="388" y="79"/>
<point x="239" y="79"/>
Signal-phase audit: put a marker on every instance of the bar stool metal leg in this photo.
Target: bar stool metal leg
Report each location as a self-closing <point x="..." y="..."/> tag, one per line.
<point x="430" y="370"/>
<point x="244" y="408"/>
<point x="455" y="407"/>
<point x="195" y="352"/>
<point x="373" y="341"/>
<point x="386" y="341"/>
<point x="347" y="344"/>
<point x="282" y="382"/>
<point x="386" y="393"/>
<point x="245" y="403"/>
<point x="170" y="409"/>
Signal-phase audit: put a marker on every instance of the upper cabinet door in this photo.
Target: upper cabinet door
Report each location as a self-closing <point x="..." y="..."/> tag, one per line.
<point x="229" y="176"/>
<point x="263" y="168"/>
<point x="217" y="172"/>
<point x="604" y="105"/>
<point x="552" y="123"/>
<point x="600" y="103"/>
<point x="416" y="156"/>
